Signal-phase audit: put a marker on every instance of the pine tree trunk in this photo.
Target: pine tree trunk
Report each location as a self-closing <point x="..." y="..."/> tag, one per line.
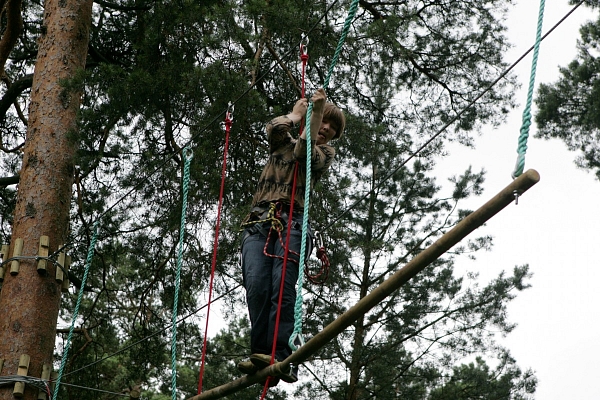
<point x="355" y="387"/>
<point x="29" y="300"/>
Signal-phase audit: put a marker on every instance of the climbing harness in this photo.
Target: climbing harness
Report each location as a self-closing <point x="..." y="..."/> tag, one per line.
<point x="228" y="124"/>
<point x="275" y="217"/>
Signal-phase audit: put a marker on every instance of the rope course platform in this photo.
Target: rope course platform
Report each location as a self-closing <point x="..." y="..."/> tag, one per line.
<point x="467" y="225"/>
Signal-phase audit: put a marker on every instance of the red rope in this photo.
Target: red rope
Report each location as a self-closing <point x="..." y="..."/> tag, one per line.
<point x="320" y="277"/>
<point x="304" y="58"/>
<point x="228" y="123"/>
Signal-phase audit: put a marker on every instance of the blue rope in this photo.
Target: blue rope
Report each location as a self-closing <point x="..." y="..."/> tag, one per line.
<point x="187" y="155"/>
<point x="297" y="333"/>
<point x="526" y="123"/>
<point x="88" y="261"/>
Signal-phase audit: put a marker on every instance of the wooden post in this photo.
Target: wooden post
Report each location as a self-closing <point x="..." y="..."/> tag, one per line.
<point x="53" y="378"/>
<point x="46" y="371"/>
<point x="394" y="282"/>
<point x="60" y="275"/>
<point x="65" y="283"/>
<point x="43" y="252"/>
<point x="23" y="368"/>
<point x="17" y="251"/>
<point x="135" y="393"/>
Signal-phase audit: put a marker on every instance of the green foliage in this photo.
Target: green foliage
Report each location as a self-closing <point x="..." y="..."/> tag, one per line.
<point x="160" y="75"/>
<point x="569" y="109"/>
<point x="478" y="381"/>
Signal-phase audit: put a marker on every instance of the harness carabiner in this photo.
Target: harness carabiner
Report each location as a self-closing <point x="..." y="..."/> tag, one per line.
<point x="303" y="43"/>
<point x="318" y="240"/>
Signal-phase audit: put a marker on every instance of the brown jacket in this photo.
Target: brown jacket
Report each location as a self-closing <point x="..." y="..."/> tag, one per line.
<point x="275" y="182"/>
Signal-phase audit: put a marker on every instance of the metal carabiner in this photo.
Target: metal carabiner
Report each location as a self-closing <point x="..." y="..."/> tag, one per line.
<point x="229" y="116"/>
<point x="230" y="110"/>
<point x="318" y="240"/>
<point x="303" y="43"/>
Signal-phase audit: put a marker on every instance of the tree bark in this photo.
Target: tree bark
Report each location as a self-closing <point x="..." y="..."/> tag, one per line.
<point x="30" y="301"/>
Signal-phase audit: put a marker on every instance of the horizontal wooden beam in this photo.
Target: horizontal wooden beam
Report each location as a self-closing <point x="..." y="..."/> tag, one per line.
<point x="393" y="283"/>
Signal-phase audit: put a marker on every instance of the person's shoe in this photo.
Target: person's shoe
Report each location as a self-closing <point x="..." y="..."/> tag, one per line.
<point x="247" y="367"/>
<point x="291" y="376"/>
<point x="260" y="360"/>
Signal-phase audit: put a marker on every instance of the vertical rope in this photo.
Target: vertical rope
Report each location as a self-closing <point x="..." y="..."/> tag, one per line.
<point x="88" y="261"/>
<point x="526" y="122"/>
<point x="228" y="124"/>
<point x="187" y="156"/>
<point x="304" y="58"/>
<point x="299" y="298"/>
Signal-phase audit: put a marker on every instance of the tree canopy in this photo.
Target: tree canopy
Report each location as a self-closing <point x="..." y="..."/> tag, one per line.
<point x="159" y="77"/>
<point x="568" y="109"/>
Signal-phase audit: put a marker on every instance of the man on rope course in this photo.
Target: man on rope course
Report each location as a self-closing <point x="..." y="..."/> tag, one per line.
<point x="265" y="235"/>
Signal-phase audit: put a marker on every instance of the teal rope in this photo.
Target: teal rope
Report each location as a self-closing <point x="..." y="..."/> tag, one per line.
<point x="297" y="333"/>
<point x="522" y="143"/>
<point x="187" y="155"/>
<point x="88" y="261"/>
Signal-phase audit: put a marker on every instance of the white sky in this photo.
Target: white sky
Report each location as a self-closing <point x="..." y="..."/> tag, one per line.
<point x="553" y="228"/>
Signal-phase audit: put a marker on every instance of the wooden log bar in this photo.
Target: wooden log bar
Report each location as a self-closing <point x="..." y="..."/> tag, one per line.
<point x="43" y="251"/>
<point x="19" y="389"/>
<point x="394" y="282"/>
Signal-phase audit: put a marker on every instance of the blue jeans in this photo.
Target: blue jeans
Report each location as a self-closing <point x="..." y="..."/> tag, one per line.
<point x="262" y="280"/>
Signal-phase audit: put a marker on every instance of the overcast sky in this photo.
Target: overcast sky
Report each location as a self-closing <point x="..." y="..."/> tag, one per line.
<point x="554" y="228"/>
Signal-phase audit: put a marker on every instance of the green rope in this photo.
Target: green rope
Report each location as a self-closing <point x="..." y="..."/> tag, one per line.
<point x="297" y="333"/>
<point x="522" y="147"/>
<point x="187" y="155"/>
<point x="88" y="261"/>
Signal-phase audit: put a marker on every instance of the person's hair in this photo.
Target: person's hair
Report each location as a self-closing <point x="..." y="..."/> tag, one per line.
<point x="333" y="114"/>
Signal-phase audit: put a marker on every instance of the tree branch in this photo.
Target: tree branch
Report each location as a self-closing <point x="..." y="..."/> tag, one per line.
<point x="13" y="92"/>
<point x="122" y="8"/>
<point x="14" y="27"/>
<point x="9" y="180"/>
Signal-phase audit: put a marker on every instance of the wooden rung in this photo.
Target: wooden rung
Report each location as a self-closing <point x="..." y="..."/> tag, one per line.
<point x="43" y="251"/>
<point x="134" y="393"/>
<point x="3" y="257"/>
<point x="53" y="378"/>
<point x="17" y="251"/>
<point x="60" y="275"/>
<point x="65" y="282"/>
<point x="23" y="368"/>
<point x="46" y="370"/>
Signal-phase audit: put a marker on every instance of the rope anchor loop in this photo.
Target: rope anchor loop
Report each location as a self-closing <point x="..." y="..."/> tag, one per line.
<point x="188" y="153"/>
<point x="296" y="341"/>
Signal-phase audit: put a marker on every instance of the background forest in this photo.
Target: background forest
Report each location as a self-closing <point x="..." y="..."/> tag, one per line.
<point x="159" y="76"/>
